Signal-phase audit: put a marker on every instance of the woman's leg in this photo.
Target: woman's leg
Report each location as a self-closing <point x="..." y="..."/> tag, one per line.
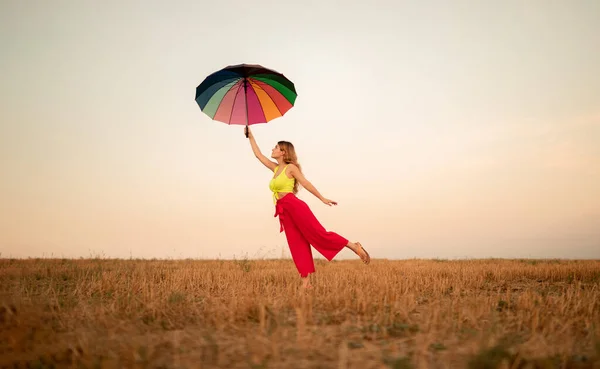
<point x="327" y="243"/>
<point x="300" y="249"/>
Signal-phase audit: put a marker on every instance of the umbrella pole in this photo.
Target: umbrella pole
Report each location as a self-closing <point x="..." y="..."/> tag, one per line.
<point x="246" y="99"/>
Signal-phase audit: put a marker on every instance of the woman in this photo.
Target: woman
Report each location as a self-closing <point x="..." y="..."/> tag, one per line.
<point x="302" y="228"/>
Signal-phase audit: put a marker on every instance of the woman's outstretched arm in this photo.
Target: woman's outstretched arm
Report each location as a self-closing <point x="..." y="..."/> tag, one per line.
<point x="297" y="174"/>
<point x="263" y="159"/>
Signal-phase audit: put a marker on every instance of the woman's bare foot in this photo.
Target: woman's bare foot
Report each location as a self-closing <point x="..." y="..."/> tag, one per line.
<point x="360" y="251"/>
<point x="306" y="283"/>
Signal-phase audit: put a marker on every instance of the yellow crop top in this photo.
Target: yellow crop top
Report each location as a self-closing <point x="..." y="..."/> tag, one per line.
<point x="281" y="183"/>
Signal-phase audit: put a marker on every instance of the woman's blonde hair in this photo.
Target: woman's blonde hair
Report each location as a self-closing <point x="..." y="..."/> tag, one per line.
<point x="289" y="157"/>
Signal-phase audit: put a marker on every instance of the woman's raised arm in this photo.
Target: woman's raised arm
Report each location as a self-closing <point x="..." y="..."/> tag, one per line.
<point x="263" y="159"/>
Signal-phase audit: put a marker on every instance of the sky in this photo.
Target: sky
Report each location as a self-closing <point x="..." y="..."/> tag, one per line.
<point x="464" y="129"/>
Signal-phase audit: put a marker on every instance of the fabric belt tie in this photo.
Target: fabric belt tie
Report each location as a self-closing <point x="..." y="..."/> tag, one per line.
<point x="279" y="211"/>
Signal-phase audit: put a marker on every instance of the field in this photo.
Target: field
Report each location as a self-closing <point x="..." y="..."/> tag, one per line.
<point x="105" y="313"/>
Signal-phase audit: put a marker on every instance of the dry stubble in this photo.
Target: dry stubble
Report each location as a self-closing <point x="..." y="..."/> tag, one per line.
<point x="99" y="313"/>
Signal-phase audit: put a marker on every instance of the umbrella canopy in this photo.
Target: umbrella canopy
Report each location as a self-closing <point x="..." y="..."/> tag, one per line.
<point x="245" y="94"/>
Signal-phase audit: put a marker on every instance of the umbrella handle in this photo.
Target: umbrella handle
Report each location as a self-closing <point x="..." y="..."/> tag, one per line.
<point x="246" y="132"/>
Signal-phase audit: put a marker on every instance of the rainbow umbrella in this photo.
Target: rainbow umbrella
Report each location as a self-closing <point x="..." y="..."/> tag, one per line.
<point x="245" y="94"/>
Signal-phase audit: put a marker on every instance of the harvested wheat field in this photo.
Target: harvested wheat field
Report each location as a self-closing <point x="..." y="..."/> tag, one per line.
<point x="99" y="313"/>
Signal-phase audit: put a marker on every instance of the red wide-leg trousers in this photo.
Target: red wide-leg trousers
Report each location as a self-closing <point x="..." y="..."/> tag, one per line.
<point x="302" y="229"/>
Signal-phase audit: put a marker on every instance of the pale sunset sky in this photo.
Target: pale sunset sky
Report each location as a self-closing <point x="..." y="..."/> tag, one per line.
<point x="444" y="129"/>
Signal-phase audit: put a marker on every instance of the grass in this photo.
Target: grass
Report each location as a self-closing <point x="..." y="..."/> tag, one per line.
<point x="106" y="313"/>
